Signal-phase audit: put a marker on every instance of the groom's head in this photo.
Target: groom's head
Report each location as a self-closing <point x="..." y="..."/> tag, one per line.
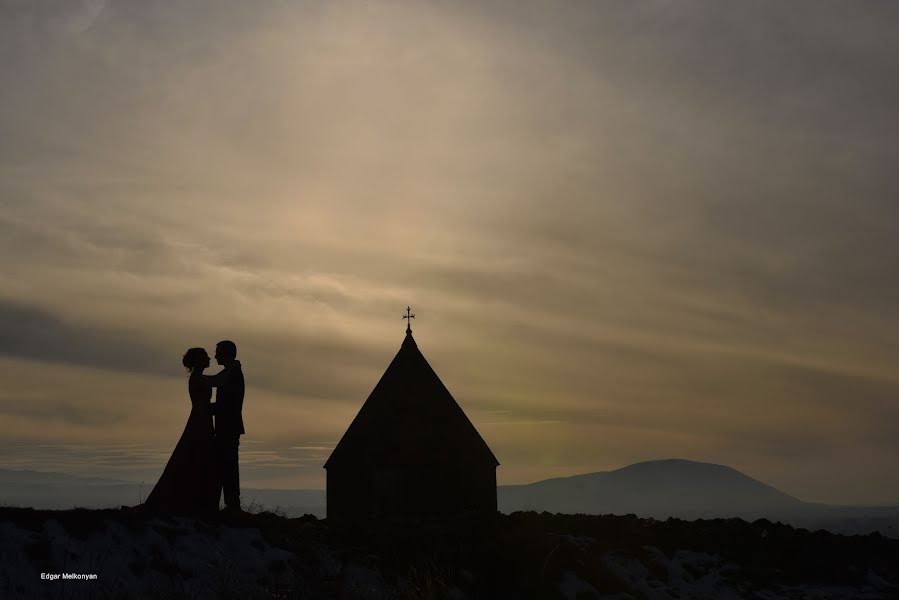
<point x="225" y="352"/>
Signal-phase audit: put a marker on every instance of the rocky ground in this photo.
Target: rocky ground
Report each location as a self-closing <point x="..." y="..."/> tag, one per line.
<point x="523" y="555"/>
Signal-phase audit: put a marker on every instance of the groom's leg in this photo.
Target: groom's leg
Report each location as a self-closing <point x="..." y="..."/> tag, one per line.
<point x="231" y="473"/>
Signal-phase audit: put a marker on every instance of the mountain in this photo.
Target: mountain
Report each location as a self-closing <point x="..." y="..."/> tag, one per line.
<point x="59" y="490"/>
<point x="658" y="488"/>
<point x="28" y="477"/>
<point x="45" y="490"/>
<point x="690" y="490"/>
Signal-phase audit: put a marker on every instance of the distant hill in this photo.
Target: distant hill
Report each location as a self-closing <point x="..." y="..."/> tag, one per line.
<point x="60" y="491"/>
<point x="28" y="477"/>
<point x="658" y="488"/>
<point x="45" y="490"/>
<point x="690" y="490"/>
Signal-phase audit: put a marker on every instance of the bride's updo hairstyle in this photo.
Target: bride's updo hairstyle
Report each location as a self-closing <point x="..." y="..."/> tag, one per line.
<point x="193" y="357"/>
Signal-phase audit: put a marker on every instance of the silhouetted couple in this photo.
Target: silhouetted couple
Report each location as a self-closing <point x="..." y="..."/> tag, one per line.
<point x="204" y="463"/>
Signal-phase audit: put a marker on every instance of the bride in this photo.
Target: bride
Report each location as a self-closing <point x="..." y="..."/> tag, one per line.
<point x="190" y="483"/>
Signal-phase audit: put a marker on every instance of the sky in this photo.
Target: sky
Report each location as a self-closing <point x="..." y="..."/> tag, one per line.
<point x="628" y="230"/>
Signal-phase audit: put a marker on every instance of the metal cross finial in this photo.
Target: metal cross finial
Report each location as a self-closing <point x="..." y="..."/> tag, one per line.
<point x="409" y="316"/>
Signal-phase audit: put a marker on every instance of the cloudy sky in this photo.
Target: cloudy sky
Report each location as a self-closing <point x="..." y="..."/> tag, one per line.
<point x="628" y="230"/>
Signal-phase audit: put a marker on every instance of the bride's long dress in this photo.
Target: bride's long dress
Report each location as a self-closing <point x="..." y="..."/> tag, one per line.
<point x="190" y="483"/>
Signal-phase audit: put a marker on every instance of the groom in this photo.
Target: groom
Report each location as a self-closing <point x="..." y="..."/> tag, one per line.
<point x="228" y="420"/>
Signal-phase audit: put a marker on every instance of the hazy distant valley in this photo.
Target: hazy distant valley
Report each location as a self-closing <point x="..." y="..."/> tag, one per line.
<point x="657" y="489"/>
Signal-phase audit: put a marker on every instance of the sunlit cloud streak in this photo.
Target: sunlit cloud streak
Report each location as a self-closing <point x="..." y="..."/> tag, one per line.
<point x="673" y="225"/>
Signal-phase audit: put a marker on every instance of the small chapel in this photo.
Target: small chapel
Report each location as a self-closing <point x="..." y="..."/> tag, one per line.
<point x="411" y="451"/>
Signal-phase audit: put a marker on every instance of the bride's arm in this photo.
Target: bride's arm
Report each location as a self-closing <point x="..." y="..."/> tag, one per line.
<point x="217" y="379"/>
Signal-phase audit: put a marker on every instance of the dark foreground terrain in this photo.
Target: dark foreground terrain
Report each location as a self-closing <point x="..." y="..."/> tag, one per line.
<point x="523" y="555"/>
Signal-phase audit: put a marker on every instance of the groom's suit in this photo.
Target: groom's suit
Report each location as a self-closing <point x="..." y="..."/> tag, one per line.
<point x="228" y="429"/>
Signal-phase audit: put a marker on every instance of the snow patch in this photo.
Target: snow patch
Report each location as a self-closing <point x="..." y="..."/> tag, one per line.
<point x="169" y="558"/>
<point x="571" y="586"/>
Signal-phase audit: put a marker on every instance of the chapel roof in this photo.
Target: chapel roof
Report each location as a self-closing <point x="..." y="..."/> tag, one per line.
<point x="411" y="419"/>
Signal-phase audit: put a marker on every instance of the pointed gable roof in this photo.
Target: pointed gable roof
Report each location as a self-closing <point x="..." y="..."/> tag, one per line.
<point x="411" y="419"/>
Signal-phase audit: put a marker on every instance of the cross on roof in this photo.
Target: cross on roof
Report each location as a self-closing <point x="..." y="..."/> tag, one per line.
<point x="408" y="316"/>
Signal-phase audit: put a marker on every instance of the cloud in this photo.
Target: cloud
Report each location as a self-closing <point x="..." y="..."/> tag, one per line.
<point x="35" y="334"/>
<point x="672" y="225"/>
